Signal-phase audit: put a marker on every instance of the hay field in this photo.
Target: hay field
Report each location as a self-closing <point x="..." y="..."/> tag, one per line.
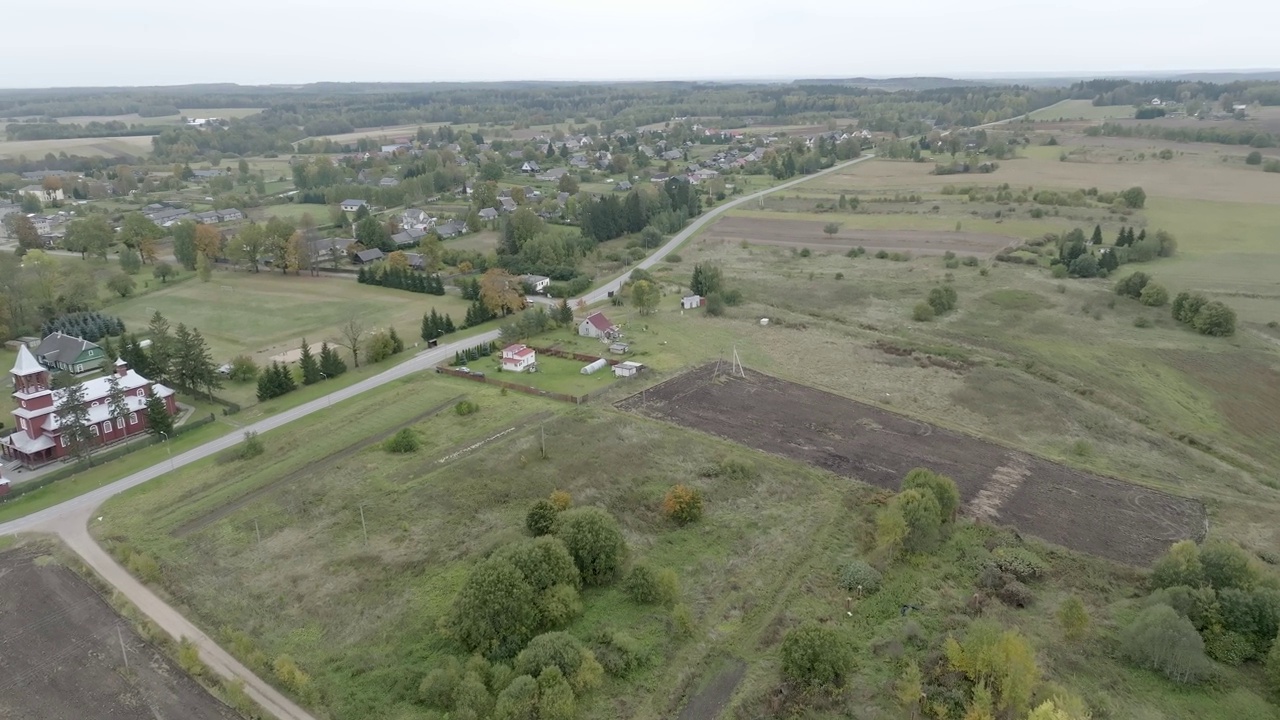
<point x="138" y="146"/>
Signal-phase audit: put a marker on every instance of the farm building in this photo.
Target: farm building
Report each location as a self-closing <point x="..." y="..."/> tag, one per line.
<point x="39" y="439"/>
<point x="690" y="302"/>
<point x="627" y="369"/>
<point x="598" y="326"/>
<point x="352" y="205"/>
<point x="367" y="256"/>
<point x="518" y="358"/>
<point x="537" y="282"/>
<point x="593" y="366"/>
<point x="619" y="348"/>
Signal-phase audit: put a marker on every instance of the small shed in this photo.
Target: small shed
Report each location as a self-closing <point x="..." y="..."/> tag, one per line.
<point x="619" y="348"/>
<point x="594" y="366"/>
<point x="627" y="369"/>
<point x="690" y="302"/>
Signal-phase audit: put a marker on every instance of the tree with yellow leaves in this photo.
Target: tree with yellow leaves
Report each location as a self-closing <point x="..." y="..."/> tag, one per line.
<point x="500" y="292"/>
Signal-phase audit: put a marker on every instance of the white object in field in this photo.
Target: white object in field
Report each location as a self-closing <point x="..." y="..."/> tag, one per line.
<point x="594" y="366"/>
<point x="764" y="321"/>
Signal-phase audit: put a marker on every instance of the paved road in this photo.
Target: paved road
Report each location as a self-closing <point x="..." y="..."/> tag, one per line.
<point x="69" y="519"/>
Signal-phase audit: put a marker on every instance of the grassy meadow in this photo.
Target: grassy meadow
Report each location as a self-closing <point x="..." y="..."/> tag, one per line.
<point x="1079" y="110"/>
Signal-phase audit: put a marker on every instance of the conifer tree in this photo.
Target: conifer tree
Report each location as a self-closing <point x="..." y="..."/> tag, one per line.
<point x="397" y="345"/>
<point x="159" y="421"/>
<point x="1097" y="235"/>
<point x="330" y="363"/>
<point x="309" y="364"/>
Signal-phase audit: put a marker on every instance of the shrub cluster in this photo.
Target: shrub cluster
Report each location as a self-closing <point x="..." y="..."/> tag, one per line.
<point x="1207" y="317"/>
<point x="404" y="441"/>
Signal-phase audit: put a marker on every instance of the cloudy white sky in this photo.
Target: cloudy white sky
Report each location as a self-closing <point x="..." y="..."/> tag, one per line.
<point x="162" y="42"/>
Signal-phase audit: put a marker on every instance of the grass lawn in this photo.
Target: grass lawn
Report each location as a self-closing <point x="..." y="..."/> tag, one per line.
<point x="264" y="314"/>
<point x="559" y="375"/>
<point x="292" y="212"/>
<point x="1080" y="110"/>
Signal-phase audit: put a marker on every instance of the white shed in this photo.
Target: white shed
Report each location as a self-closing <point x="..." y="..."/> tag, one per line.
<point x="594" y="366"/>
<point x="626" y="369"/>
<point x="690" y="302"/>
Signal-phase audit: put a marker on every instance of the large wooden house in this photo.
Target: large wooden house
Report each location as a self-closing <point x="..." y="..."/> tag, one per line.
<point x="38" y="437"/>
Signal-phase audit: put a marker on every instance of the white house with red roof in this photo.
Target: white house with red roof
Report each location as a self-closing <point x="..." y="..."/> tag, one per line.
<point x="38" y="438"/>
<point x="598" y="326"/>
<point x="518" y="358"/>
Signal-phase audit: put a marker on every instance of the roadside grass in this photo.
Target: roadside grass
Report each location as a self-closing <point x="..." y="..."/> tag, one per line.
<point x="263" y="314"/>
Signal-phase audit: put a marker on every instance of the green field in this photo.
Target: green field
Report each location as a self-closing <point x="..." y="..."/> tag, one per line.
<point x="265" y="314"/>
<point x="1079" y="110"/>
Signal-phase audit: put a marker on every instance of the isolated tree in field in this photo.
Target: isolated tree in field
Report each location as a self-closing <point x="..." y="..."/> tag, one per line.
<point x="816" y="656"/>
<point x="243" y="369"/>
<point x="129" y="261"/>
<point x="1096" y="239"/>
<point x="159" y="421"/>
<point x="121" y="284"/>
<point x="832" y="228"/>
<point x="204" y="268"/>
<point x="352" y="333"/>
<point x="921" y="516"/>
<point x="645" y="295"/>
<point x="163" y="271"/>
<point x="309" y="364"/>
<point x="1134" y="198"/>
<point x="707" y="280"/>
<point x="1154" y="295"/>
<point x="500" y="292"/>
<point x="595" y="542"/>
<point x="249" y="245"/>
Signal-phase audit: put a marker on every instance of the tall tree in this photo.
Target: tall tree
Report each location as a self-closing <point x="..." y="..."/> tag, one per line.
<point x="73" y="418"/>
<point x="209" y="241"/>
<point x="352" y="332"/>
<point x="115" y="398"/>
<point x="25" y="231"/>
<point x="248" y="245"/>
<point x="159" y="421"/>
<point x="160" y="356"/>
<point x="500" y="292"/>
<point x="193" y="366"/>
<point x="184" y="244"/>
<point x="330" y="364"/>
<point x="204" y="267"/>
<point x="645" y="295"/>
<point x="311" y="372"/>
<point x="90" y="236"/>
<point x="135" y="228"/>
<point x="1096" y="239"/>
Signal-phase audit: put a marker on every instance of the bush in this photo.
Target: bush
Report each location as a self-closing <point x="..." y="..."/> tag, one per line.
<point x="969" y="261"/>
<point x="1253" y="158"/>
<point x="1271" y="667"/>
<point x="682" y="621"/>
<point x="554" y="649"/>
<point x="1085" y="266"/>
<point x="243" y="369"/>
<point x="1022" y="564"/>
<point x="1215" y="319"/>
<point x="1162" y="640"/>
<point x="404" y="441"/>
<point x="1015" y="594"/>
<point x="816" y="656"/>
<point x="1073" y="618"/>
<point x="437" y="688"/>
<point x="541" y="519"/>
<point x="290" y="675"/>
<point x="1142" y="322"/>
<point x="1226" y="566"/>
<point x="1186" y="306"/>
<point x="941" y="487"/>
<point x="858" y="576"/>
<point x="496" y="611"/>
<point x="1180" y="565"/>
<point x="1227" y="647"/>
<point x="561" y="500"/>
<point x="252" y="446"/>
<point x="674" y="258"/>
<point x="1057" y="272"/>
<point x="923" y="519"/>
<point x="804" y="252"/>
<point x="466" y="407"/>
<point x="715" y="305"/>
<point x="682" y="504"/>
<point x="1132" y="285"/>
<point x="619" y="654"/>
<point x="649" y="586"/>
<point x="594" y="541"/>
<point x="922" y="312"/>
<point x="942" y="299"/>
<point x="882" y="254"/>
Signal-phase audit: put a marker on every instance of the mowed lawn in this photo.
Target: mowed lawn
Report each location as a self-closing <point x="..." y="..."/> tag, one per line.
<point x="264" y="314"/>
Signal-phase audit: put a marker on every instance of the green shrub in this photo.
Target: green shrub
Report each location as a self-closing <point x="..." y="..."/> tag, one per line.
<point x="543" y="562"/>
<point x="1271" y="667"/>
<point x="652" y="586"/>
<point x="682" y="621"/>
<point x="804" y="252"/>
<point x="436" y="689"/>
<point x="252" y="446"/>
<point x="674" y="258"/>
<point x="1180" y="565"/>
<point x="1132" y="284"/>
<point x="496" y="612"/>
<point x="404" y="441"/>
<point x="1015" y="594"/>
<point x="189" y="658"/>
<point x="1253" y="158"/>
<point x="1058" y="271"/>
<point x="882" y="254"/>
<point x="942" y="299"/>
<point x="1142" y="321"/>
<point x="736" y="469"/>
<point x="619" y="654"/>
<point x="1229" y="648"/>
<point x="1226" y="566"/>
<point x="715" y="305"/>
<point x="942" y="488"/>
<point x="594" y="541"/>
<point x="553" y="649"/>
<point x="1154" y="295"/>
<point x="969" y="261"/>
<point x="922" y="312"/>
<point x="1021" y="563"/>
<point x="541" y="518"/>
<point x="858" y="576"/>
<point x="1162" y="640"/>
<point x="816" y="656"/>
<point x="1215" y="319"/>
<point x="466" y="407"/>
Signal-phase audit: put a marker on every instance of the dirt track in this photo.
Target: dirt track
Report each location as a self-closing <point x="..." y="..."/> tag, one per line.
<point x="1092" y="514"/>
<point x="809" y="234"/>
<point x="61" y="656"/>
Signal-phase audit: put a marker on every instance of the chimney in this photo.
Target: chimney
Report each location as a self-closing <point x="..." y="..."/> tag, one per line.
<point x="122" y="367"/>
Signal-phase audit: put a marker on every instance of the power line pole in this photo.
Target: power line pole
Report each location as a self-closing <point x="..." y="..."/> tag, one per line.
<point x="123" y="652"/>
<point x="364" y="528"/>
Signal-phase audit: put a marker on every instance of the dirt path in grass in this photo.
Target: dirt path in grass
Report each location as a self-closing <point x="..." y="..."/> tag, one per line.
<point x="222" y="511"/>
<point x="711" y="700"/>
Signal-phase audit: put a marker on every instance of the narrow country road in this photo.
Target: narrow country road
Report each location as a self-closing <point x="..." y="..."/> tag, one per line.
<point x="69" y="520"/>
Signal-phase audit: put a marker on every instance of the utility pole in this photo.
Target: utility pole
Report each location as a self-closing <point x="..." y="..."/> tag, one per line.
<point x="123" y="652"/>
<point x="257" y="532"/>
<point x="363" y="527"/>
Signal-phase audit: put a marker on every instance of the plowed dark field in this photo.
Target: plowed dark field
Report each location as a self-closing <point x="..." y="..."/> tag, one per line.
<point x="62" y="654"/>
<point x="1098" y="515"/>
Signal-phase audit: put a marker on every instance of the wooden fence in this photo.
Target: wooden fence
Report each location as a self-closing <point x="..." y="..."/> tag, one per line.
<point x="581" y="357"/>
<point x="574" y="399"/>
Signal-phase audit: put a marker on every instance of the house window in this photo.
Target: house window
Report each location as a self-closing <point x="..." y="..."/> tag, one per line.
<point x="79" y="368"/>
<point x="94" y="429"/>
<point x="133" y="418"/>
<point x="119" y="423"/>
<point x="106" y="426"/>
<point x="93" y="404"/>
<point x="142" y="392"/>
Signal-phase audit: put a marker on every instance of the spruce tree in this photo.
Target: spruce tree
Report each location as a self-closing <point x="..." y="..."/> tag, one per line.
<point x="159" y="360"/>
<point x="331" y="364"/>
<point x="397" y="345"/>
<point x="287" y="383"/>
<point x="1141" y="236"/>
<point x="448" y="325"/>
<point x="158" y="418"/>
<point x="1097" y="235"/>
<point x="266" y="383"/>
<point x="309" y="364"/>
<point x="428" y="325"/>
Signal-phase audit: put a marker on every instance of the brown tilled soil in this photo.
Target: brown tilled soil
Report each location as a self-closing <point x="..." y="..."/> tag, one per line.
<point x="60" y="654"/>
<point x="1092" y="514"/>
<point x="809" y="234"/>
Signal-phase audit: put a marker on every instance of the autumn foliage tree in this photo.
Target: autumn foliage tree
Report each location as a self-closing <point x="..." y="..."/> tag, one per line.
<point x="682" y="504"/>
<point x="500" y="292"/>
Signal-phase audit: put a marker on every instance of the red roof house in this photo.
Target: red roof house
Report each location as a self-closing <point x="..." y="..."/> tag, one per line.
<point x="598" y="326"/>
<point x="518" y="358"/>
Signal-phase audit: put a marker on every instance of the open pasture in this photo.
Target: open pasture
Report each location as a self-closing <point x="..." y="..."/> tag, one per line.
<point x="134" y="118"/>
<point x="62" y="653"/>
<point x="809" y="234"/>
<point x="263" y="314"/>
<point x="1100" y="516"/>
<point x="1079" y="110"/>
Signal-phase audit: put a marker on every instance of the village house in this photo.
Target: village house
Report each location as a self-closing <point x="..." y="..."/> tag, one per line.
<point x="508" y="205"/>
<point x="43" y="194"/>
<point x="409" y="237"/>
<point x="415" y="218"/>
<point x="598" y="326"/>
<point x="69" y="353"/>
<point x="451" y="229"/>
<point x="537" y="282"/>
<point x="530" y="168"/>
<point x="367" y="256"/>
<point x="352" y="205"/>
<point x="39" y="436"/>
<point x="488" y="214"/>
<point x="552" y="175"/>
<point x="518" y="358"/>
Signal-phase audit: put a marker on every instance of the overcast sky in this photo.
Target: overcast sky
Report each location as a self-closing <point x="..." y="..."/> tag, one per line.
<point x="167" y="42"/>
